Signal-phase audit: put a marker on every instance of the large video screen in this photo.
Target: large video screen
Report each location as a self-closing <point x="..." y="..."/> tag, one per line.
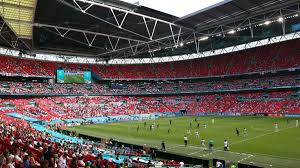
<point x="63" y="76"/>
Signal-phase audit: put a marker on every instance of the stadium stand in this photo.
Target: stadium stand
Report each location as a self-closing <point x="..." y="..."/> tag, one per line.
<point x="149" y="87"/>
<point x="30" y="145"/>
<point x="266" y="58"/>
<point x="34" y="107"/>
<point x="52" y="108"/>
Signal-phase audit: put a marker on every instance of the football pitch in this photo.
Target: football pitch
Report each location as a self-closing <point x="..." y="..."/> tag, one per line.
<point x="262" y="146"/>
<point x="74" y="79"/>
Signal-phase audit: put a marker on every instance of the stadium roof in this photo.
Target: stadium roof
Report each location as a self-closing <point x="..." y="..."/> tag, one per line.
<point x="17" y="13"/>
<point x="109" y="29"/>
<point x="230" y="11"/>
<point x="175" y="7"/>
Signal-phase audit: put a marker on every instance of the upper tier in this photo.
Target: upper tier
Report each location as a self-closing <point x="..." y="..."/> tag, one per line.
<point x="271" y="57"/>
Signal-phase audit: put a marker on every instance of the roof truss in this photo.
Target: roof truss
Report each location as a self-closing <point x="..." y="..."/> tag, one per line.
<point x="16" y="13"/>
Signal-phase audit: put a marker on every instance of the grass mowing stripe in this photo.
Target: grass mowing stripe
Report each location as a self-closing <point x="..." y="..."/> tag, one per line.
<point x="263" y="143"/>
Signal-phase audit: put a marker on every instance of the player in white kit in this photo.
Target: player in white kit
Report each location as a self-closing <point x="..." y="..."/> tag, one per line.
<point x="197" y="134"/>
<point x="226" y="147"/>
<point x="276" y="127"/>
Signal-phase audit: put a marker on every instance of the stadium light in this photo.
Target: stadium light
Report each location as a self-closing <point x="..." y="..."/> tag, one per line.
<point x="231" y="32"/>
<point x="181" y="44"/>
<point x="267" y="22"/>
<point x="280" y="19"/>
<point x="203" y="38"/>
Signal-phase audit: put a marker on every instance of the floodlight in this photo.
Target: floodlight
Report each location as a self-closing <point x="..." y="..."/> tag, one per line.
<point x="267" y="22"/>
<point x="204" y="38"/>
<point x="231" y="32"/>
<point x="280" y="19"/>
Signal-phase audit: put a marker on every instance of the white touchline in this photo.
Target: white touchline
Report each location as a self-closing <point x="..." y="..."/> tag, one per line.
<point x="280" y="157"/>
<point x="217" y="150"/>
<point x="214" y="150"/>
<point x="245" y="158"/>
<point x="172" y="147"/>
<point x="208" y="154"/>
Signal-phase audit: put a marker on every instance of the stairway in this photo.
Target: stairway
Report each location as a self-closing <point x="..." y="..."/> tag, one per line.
<point x="166" y="106"/>
<point x="255" y="107"/>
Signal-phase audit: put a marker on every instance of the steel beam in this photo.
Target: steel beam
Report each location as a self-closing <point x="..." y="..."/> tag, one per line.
<point x="132" y="13"/>
<point x="83" y="31"/>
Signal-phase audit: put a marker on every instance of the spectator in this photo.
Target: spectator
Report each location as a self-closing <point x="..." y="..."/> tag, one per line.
<point x="62" y="161"/>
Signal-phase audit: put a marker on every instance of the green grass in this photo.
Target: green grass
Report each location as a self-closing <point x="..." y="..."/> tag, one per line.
<point x="263" y="146"/>
<point x="74" y="79"/>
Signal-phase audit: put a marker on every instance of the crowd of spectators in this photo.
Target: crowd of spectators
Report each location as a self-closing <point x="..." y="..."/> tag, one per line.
<point x="147" y="87"/>
<point x="272" y="57"/>
<point x="282" y="55"/>
<point x="51" y="108"/>
<point x="24" y="147"/>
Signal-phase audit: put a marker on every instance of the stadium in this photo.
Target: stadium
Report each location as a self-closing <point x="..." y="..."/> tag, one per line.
<point x="120" y="83"/>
